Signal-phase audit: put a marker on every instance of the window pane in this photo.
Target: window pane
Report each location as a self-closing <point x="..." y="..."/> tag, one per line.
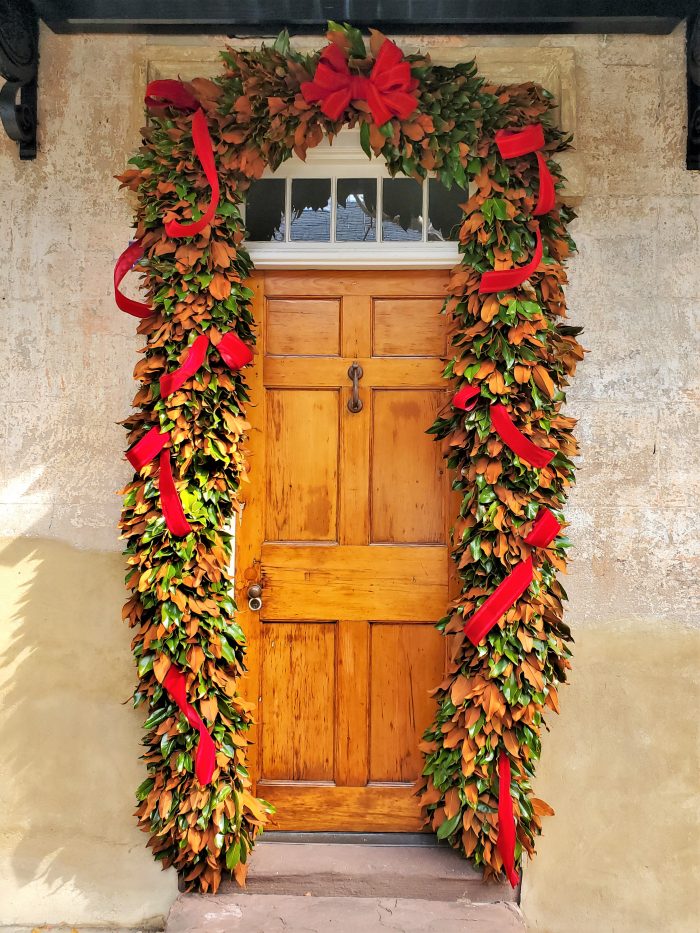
<point x="311" y="209"/>
<point x="264" y="212"/>
<point x="356" y="211"/>
<point x="444" y="212"/>
<point x="402" y="207"/>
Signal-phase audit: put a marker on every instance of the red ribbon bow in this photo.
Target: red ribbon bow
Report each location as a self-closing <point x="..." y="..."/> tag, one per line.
<point x="389" y="90"/>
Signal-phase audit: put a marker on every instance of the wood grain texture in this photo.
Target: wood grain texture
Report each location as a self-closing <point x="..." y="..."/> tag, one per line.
<point x="302" y="450"/>
<point x="407" y="662"/>
<point x="407" y="469"/>
<point x="344" y="649"/>
<point x="375" y="808"/>
<point x="298" y="665"/>
<point x="408" y="327"/>
<point x="303" y="327"/>
<point x="332" y="372"/>
<point x="403" y="584"/>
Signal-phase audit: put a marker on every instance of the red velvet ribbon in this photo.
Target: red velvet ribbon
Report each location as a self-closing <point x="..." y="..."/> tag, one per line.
<point x="545" y="529"/>
<point x="151" y="445"/>
<point x="171" y="382"/>
<point x="125" y="263"/>
<point x="514" y="143"/>
<point x="546" y="195"/>
<point x="389" y="90"/>
<point x="233" y="351"/>
<point x="503" y="598"/>
<point x="147" y="448"/>
<point x="518" y="443"/>
<point x="169" y="499"/>
<point x="506" y="819"/>
<point x="205" y="756"/>
<point x="161" y="94"/>
<point x="461" y="398"/>
<point x="169" y="93"/>
<point x="504" y="280"/>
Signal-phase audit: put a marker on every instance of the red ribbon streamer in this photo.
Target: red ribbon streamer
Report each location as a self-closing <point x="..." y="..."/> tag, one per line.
<point x="147" y="448"/>
<point x="506" y="819"/>
<point x="545" y="529"/>
<point x="514" y="143"/>
<point x="152" y="444"/>
<point x="233" y="351"/>
<point x="160" y="94"/>
<point x="518" y="443"/>
<point x="389" y="90"/>
<point x="547" y="194"/>
<point x="125" y="263"/>
<point x="503" y="280"/>
<point x="171" y="382"/>
<point x="499" y="602"/>
<point x="169" y="499"/>
<point x="169" y="93"/>
<point x="460" y="399"/>
<point x="205" y="756"/>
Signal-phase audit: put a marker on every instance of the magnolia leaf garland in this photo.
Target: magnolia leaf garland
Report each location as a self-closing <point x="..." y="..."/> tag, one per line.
<point x="508" y="348"/>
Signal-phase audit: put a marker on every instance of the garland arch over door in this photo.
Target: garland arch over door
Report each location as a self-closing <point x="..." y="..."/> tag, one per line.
<point x="509" y="359"/>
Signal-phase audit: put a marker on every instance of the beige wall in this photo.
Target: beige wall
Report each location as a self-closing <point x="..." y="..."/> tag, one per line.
<point x="620" y="766"/>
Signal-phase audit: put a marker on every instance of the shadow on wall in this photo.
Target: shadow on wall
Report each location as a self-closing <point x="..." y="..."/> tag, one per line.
<point x="69" y="763"/>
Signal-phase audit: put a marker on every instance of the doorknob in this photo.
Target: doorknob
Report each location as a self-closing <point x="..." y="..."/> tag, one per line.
<point x="255" y="597"/>
<point x="355" y="403"/>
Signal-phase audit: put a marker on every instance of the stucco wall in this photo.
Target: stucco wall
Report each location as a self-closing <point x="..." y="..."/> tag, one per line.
<point x="620" y="766"/>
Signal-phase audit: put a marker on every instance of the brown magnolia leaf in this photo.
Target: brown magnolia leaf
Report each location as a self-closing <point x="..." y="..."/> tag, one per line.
<point x="543" y="380"/>
<point x="452" y="802"/>
<point x="219" y="287"/>
<point x="195" y="658"/>
<point x="220" y="254"/>
<point x="240" y="873"/>
<point x="276" y="104"/>
<point x="540" y="807"/>
<point x="161" y="666"/>
<point x="469" y="841"/>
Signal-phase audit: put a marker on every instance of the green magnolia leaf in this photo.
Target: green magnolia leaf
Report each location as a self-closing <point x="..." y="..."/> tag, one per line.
<point x="364" y="139"/>
<point x="449" y="826"/>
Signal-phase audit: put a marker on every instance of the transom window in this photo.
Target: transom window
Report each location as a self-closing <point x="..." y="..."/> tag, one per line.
<point x="341" y="209"/>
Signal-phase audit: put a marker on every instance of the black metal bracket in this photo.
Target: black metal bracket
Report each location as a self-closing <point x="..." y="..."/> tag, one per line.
<point x="19" y="65"/>
<point x="693" y="51"/>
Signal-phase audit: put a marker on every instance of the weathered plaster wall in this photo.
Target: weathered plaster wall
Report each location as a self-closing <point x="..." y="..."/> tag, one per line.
<point x="621" y="764"/>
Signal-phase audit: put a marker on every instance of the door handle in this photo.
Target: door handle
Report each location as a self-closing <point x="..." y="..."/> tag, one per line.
<point x="355" y="403"/>
<point x="255" y="597"/>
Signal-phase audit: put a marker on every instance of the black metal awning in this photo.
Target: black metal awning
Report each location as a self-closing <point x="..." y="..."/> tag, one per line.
<point x="268" y="17"/>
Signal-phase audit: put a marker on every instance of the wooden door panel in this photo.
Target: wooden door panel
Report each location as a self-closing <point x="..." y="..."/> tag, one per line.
<point x="345" y="528"/>
<point x="408" y="327"/>
<point x="302" y="327"/>
<point x="406" y="664"/>
<point x="407" y="475"/>
<point x="302" y="442"/>
<point x="330" y="372"/>
<point x="405" y="584"/>
<point x="376" y="808"/>
<point x="298" y="683"/>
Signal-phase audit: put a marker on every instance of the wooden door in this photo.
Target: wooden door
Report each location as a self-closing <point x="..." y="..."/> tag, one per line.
<point x="345" y="528"/>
